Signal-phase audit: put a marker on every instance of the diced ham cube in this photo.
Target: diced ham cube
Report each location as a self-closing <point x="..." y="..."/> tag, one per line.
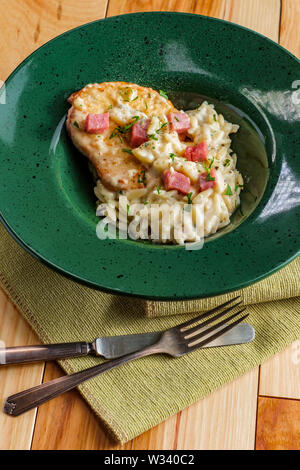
<point x="205" y="182"/>
<point x="176" y="180"/>
<point x="97" y="123"/>
<point x="179" y="122"/>
<point x="197" y="153"/>
<point x="139" y="133"/>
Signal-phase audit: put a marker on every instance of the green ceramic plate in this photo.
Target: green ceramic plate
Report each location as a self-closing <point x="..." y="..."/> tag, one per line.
<point x="46" y="192"/>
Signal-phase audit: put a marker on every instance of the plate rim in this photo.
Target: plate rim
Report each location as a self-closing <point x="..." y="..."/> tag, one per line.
<point x="123" y="291"/>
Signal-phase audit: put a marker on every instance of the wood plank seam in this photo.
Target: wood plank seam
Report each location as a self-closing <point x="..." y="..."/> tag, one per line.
<point x="280" y="19"/>
<point x="257" y="399"/>
<point x="38" y="409"/>
<point x="178" y="419"/>
<point x="279" y="397"/>
<point x="106" y="9"/>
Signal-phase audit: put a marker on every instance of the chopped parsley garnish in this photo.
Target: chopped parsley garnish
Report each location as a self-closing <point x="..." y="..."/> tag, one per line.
<point x="238" y="186"/>
<point x="146" y="105"/>
<point x="215" y="117"/>
<point x="176" y="118"/>
<point x="227" y="162"/>
<point x="189" y="196"/>
<point x="123" y="129"/>
<point x="228" y="191"/>
<point x="172" y="156"/>
<point x="163" y="94"/>
<point x="110" y="107"/>
<point x="75" y="124"/>
<point x="152" y="136"/>
<point x="158" y="189"/>
<point x="146" y="202"/>
<point x="161" y="127"/>
<point x="127" y="151"/>
<point x="135" y="98"/>
<point x="142" y="177"/>
<point x="208" y="170"/>
<point x="210" y="163"/>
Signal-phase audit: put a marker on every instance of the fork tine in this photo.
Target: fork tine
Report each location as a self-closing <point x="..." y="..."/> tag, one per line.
<point x="210" y="320"/>
<point x="216" y="335"/>
<point x="206" y="314"/>
<point x="212" y="328"/>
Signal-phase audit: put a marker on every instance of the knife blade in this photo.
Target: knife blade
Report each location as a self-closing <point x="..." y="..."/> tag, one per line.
<point x="112" y="347"/>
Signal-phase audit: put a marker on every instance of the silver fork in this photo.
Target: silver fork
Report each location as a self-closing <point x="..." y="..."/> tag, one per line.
<point x="177" y="341"/>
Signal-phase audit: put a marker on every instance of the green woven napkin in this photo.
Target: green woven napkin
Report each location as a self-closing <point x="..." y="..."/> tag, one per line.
<point x="138" y="395"/>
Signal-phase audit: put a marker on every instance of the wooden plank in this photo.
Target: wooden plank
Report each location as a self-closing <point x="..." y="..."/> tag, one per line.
<point x="115" y="7"/>
<point x="16" y="433"/>
<point x="280" y="375"/>
<point x="214" y="8"/>
<point x="289" y="28"/>
<point x="224" y="420"/>
<point x="162" y="437"/>
<point x="262" y="16"/>
<point x="27" y="24"/>
<point x="278" y="424"/>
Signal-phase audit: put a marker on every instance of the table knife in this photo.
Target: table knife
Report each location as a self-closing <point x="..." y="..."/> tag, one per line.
<point x="110" y="347"/>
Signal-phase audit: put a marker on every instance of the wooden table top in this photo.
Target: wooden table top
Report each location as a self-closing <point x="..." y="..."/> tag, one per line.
<point x="260" y="410"/>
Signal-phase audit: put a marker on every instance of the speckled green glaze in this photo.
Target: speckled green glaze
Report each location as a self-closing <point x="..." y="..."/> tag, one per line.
<point x="46" y="194"/>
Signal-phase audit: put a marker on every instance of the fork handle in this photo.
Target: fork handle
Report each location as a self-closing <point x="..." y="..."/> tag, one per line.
<point x="28" y="399"/>
<point x="46" y="352"/>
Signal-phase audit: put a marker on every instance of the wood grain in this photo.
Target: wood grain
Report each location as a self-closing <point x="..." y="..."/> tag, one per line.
<point x="75" y="425"/>
<point x="16" y="434"/>
<point x="278" y="424"/>
<point x="289" y="28"/>
<point x="224" y="420"/>
<point x="280" y="375"/>
<point x="27" y="24"/>
<point x="116" y="7"/>
<point x="261" y="16"/>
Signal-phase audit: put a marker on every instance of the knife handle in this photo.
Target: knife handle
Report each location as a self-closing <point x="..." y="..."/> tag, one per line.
<point x="46" y="352"/>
